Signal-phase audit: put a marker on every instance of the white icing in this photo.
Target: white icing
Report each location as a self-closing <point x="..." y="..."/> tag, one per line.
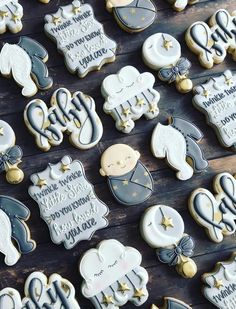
<point x="180" y="5"/>
<point x="7" y="138"/>
<point x="10" y="299"/>
<point x="12" y="17"/>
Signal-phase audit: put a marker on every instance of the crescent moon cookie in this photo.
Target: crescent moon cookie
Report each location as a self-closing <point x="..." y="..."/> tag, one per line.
<point x="180" y="5"/>
<point x="172" y="303"/>
<point x="80" y="38"/>
<point x="68" y="203"/>
<point x="211" y="43"/>
<point x="133" y="15"/>
<point x="216" y="213"/>
<point x="129" y="180"/>
<point x="10" y="299"/>
<point x="128" y="96"/>
<point x="74" y="114"/>
<point x="113" y="276"/>
<point x="11" y="13"/>
<point x="162" y="52"/>
<point x="178" y="143"/>
<point x="162" y="228"/>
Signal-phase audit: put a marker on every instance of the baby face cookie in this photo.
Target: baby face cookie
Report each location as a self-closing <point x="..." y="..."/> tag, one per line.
<point x="74" y="114"/>
<point x="216" y="213"/>
<point x="133" y="15"/>
<point x="80" y="38"/>
<point x="172" y="303"/>
<point x="178" y="142"/>
<point x="211" y="43"/>
<point x="11" y="13"/>
<point x="180" y="5"/>
<point x="68" y="203"/>
<point x="113" y="276"/>
<point x="129" y="180"/>
<point x="10" y="299"/>
<point x="129" y="95"/>
<point x="216" y="99"/>
<point x="162" y="228"/>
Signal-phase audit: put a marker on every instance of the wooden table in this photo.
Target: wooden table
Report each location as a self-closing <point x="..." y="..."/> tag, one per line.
<point x="124" y="221"/>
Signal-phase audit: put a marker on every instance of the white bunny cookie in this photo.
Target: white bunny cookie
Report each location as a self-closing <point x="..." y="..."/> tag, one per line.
<point x="11" y="13"/>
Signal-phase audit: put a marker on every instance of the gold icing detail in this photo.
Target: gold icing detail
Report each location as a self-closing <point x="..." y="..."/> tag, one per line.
<point x="123" y="287"/>
<point x="56" y="20"/>
<point x="218" y="284"/>
<point x="4" y="14"/>
<point x="206" y="93"/>
<point x="153" y="108"/>
<point x="167" y="44"/>
<point x="167" y="222"/>
<point x="125" y="182"/>
<point x="41" y="183"/>
<point x="139" y="293"/>
<point x="126" y="112"/>
<point x="140" y="102"/>
<point x="125" y="124"/>
<point x="65" y="167"/>
<point x="107" y="300"/>
<point x="1" y="131"/>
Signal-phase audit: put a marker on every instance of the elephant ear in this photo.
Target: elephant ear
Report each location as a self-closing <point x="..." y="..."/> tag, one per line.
<point x="13" y="207"/>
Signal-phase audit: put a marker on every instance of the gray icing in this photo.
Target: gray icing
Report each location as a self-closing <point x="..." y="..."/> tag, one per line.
<point x="10" y="156"/>
<point x="12" y="13"/>
<point x="175" y="304"/>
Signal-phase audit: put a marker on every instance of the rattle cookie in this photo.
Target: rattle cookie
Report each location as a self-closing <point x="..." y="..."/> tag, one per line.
<point x="178" y="143"/>
<point x="216" y="213"/>
<point x="162" y="52"/>
<point x="113" y="276"/>
<point x="80" y="38"/>
<point x="11" y="13"/>
<point x="128" y="96"/>
<point x="162" y="228"/>
<point x="180" y="5"/>
<point x="129" y="180"/>
<point x="211" y="43"/>
<point x="74" y="114"/>
<point x="172" y="303"/>
<point x="133" y="15"/>
<point x="68" y="203"/>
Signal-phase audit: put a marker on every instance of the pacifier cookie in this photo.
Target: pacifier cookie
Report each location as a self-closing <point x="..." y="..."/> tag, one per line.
<point x="180" y="5"/>
<point x="10" y="299"/>
<point x="11" y="13"/>
<point x="128" y="96"/>
<point x="172" y="303"/>
<point x="113" y="276"/>
<point x="129" y="180"/>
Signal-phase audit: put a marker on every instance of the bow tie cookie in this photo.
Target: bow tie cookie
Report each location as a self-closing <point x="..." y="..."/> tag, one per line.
<point x="178" y="142"/>
<point x="180" y="5"/>
<point x="133" y="15"/>
<point x="129" y="95"/>
<point x="113" y="276"/>
<point x="162" y="52"/>
<point x="129" y="180"/>
<point x="172" y="303"/>
<point x="11" y="13"/>
<point x="162" y="228"/>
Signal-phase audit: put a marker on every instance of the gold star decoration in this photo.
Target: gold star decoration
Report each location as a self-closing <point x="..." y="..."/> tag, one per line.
<point x="107" y="300"/>
<point x="123" y="287"/>
<point x="125" y="182"/>
<point x="139" y="293"/>
<point x="153" y="108"/>
<point x="229" y="81"/>
<point x="167" y="222"/>
<point x="56" y="20"/>
<point x="133" y="11"/>
<point x="140" y="102"/>
<point x="41" y="183"/>
<point x="167" y="44"/>
<point x="4" y="14"/>
<point x="206" y="93"/>
<point x="125" y="124"/>
<point x="218" y="284"/>
<point x="126" y="112"/>
<point x="65" y="167"/>
<point x="76" y="10"/>
<point x="1" y="131"/>
<point x="15" y="18"/>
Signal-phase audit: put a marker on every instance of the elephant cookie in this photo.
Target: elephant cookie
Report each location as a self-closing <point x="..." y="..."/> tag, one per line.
<point x="11" y="13"/>
<point x="216" y="99"/>
<point x="25" y="62"/>
<point x="178" y="143"/>
<point x="80" y="38"/>
<point x="129" y="95"/>
<point x="68" y="203"/>
<point x="180" y="5"/>
<point x="129" y="180"/>
<point x="10" y="299"/>
<point x="133" y="15"/>
<point x="162" y="228"/>
<point x="113" y="276"/>
<point x="216" y="213"/>
<point x="172" y="303"/>
<point x="211" y="43"/>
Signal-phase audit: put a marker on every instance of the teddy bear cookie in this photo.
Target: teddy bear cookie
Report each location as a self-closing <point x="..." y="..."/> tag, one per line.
<point x="211" y="43"/>
<point x="10" y="299"/>
<point x="25" y="62"/>
<point x="68" y="203"/>
<point x="216" y="213"/>
<point x="129" y="180"/>
<point x="133" y="15"/>
<point x="172" y="303"/>
<point x="128" y="96"/>
<point x="178" y="143"/>
<point x="113" y="276"/>
<point x="74" y="114"/>
<point x="11" y="13"/>
<point x="162" y="228"/>
<point x="162" y="52"/>
<point x="180" y="5"/>
<point x="80" y="38"/>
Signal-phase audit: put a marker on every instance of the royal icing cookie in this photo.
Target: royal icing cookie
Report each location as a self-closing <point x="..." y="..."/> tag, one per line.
<point x="172" y="303"/>
<point x="80" y="38"/>
<point x="178" y="142"/>
<point x="133" y="15"/>
<point x="44" y="1"/>
<point x="113" y="276"/>
<point x="25" y="62"/>
<point x="180" y="5"/>
<point x="129" y="180"/>
<point x="162" y="228"/>
<point x="162" y="52"/>
<point x="68" y="203"/>
<point x="10" y="299"/>
<point x="129" y="95"/>
<point x="74" y="114"/>
<point x="211" y="43"/>
<point x="11" y="13"/>
<point x="216" y="99"/>
<point x="216" y="213"/>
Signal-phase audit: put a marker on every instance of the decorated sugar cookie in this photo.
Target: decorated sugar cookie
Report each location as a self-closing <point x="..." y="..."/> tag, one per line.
<point x="162" y="52"/>
<point x="133" y="15"/>
<point x="180" y="5"/>
<point x="113" y="276"/>
<point x="25" y="62"/>
<point x="172" y="303"/>
<point x="129" y="95"/>
<point x="74" y="114"/>
<point x="216" y="213"/>
<point x="68" y="203"/>
<point x="162" y="228"/>
<point x="178" y="142"/>
<point x="129" y="180"/>
<point x="211" y="43"/>
<point x="11" y="13"/>
<point x="216" y="99"/>
<point x="80" y="38"/>
<point x="44" y="1"/>
<point x="10" y="299"/>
